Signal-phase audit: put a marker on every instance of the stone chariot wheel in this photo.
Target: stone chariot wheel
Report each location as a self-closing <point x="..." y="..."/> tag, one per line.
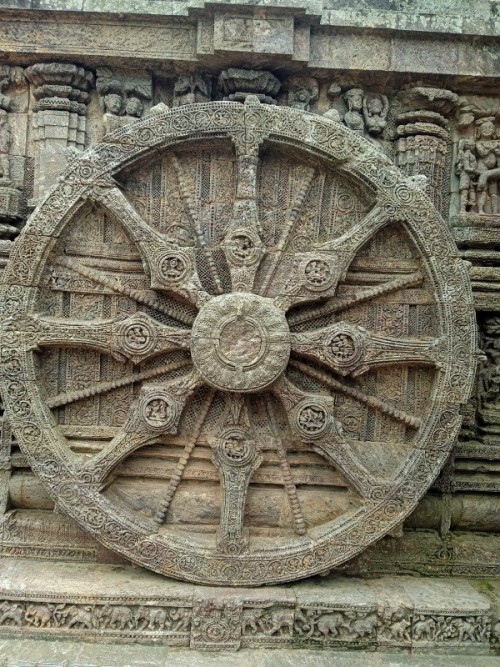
<point x="235" y="343"/>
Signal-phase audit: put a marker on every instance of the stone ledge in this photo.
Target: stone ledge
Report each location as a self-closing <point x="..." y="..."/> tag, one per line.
<point x="33" y="653"/>
<point x="122" y="604"/>
<point x="456" y="18"/>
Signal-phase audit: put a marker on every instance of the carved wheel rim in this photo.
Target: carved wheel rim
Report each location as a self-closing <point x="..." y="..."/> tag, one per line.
<point x="257" y="350"/>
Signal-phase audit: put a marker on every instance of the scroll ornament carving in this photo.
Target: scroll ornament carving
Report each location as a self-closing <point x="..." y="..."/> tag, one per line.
<point x="241" y="353"/>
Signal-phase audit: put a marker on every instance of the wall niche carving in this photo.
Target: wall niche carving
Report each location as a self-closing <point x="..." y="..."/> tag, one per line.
<point x="226" y="381"/>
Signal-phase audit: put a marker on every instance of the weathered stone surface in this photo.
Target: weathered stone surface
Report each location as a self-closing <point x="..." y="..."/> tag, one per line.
<point x="254" y="383"/>
<point x="32" y="653"/>
<point x="121" y="604"/>
<point x="237" y="344"/>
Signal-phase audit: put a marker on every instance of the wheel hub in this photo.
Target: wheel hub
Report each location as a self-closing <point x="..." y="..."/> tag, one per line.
<point x="241" y="342"/>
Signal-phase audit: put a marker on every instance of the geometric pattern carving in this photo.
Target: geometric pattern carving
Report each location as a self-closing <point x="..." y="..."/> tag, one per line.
<point x="235" y="343"/>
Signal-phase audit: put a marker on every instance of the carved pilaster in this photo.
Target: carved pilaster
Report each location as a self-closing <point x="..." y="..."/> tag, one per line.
<point x="10" y="193"/>
<point x="59" y="117"/>
<point x="423" y="141"/>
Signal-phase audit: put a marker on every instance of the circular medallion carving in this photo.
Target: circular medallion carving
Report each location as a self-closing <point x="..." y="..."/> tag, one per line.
<point x="242" y="247"/>
<point x="158" y="410"/>
<point x="318" y="274"/>
<point x="257" y="348"/>
<point x="235" y="447"/>
<point x="312" y="419"/>
<point x="173" y="266"/>
<point x="345" y="346"/>
<point x="137" y="338"/>
<point x="241" y="342"/>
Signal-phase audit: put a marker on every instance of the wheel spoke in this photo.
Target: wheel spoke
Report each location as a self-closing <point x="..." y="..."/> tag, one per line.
<point x="299" y="523"/>
<point x="236" y="455"/>
<point x="313" y="276"/>
<point x="338" y="452"/>
<point x="67" y="397"/>
<point x="311" y="420"/>
<point x="157" y="412"/>
<point x="242" y="243"/>
<point x="172" y="269"/>
<point x="121" y="446"/>
<point x="191" y="208"/>
<point x="347" y="245"/>
<point x="371" y="401"/>
<point x="173" y="485"/>
<point x="351" y="350"/>
<point x="171" y="310"/>
<point x="136" y="338"/>
<point x="297" y="208"/>
<point x="337" y="304"/>
<point x="316" y="274"/>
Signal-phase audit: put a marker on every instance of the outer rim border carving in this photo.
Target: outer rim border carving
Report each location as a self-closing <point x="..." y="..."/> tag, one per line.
<point x="136" y="538"/>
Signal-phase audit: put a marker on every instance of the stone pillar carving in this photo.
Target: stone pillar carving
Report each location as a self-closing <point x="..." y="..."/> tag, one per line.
<point x="423" y="140"/>
<point x="236" y="84"/>
<point x="59" y="118"/>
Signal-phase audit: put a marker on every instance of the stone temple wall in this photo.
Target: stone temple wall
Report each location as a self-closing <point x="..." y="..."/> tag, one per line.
<point x="250" y="319"/>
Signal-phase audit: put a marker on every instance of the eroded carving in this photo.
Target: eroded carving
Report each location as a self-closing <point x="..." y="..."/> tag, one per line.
<point x="122" y="100"/>
<point x="191" y="88"/>
<point x="303" y="92"/>
<point x="237" y="84"/>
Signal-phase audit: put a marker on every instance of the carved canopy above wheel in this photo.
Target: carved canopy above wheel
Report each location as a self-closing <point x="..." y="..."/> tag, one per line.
<point x="235" y="343"/>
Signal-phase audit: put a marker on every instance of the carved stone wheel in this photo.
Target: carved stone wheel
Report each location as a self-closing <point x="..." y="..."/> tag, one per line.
<point x="235" y="343"/>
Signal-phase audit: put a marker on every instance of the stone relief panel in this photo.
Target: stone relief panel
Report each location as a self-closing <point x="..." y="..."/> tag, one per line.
<point x="185" y="347"/>
<point x="123" y="97"/>
<point x="477" y="166"/>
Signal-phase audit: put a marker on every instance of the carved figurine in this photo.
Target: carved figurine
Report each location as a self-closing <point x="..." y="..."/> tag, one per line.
<point x="113" y="109"/>
<point x="157" y="109"/>
<point x="123" y="103"/>
<point x="466" y="167"/>
<point x="5" y="101"/>
<point x="487" y="151"/>
<point x="134" y="107"/>
<point x="353" y="117"/>
<point x="303" y="91"/>
<point x="375" y="110"/>
<point x="334" y="92"/>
